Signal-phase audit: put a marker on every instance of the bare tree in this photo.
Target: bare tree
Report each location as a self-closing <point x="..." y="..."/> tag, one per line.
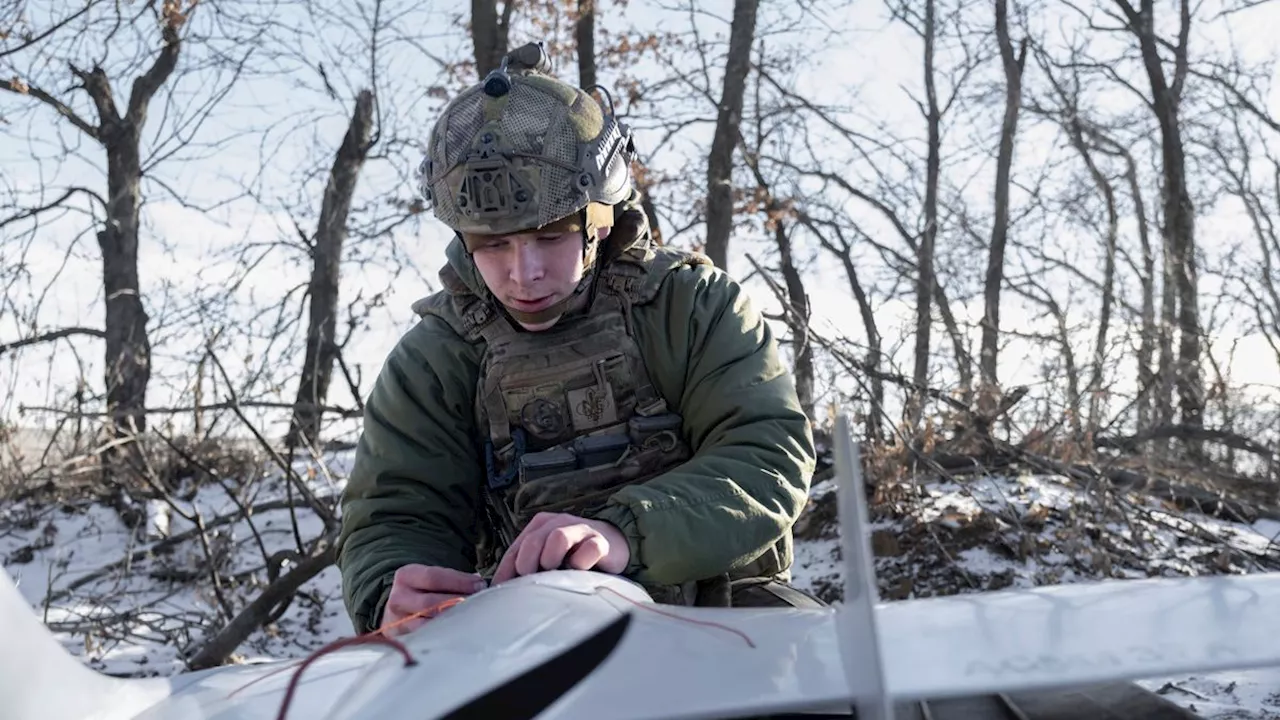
<point x="1013" y="63"/>
<point x="720" y="195"/>
<point x="326" y="256"/>
<point x="1261" y="287"/>
<point x="1030" y="287"/>
<point x="925" y="278"/>
<point x="584" y="35"/>
<point x="801" y="345"/>
<point x="924" y="22"/>
<point x="1147" y="379"/>
<point x="118" y="130"/>
<point x="1085" y="138"/>
<point x="1179" y="214"/>
<point x="875" y="350"/>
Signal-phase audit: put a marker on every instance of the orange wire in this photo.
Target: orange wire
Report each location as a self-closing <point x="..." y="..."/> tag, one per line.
<point x="428" y="613"/>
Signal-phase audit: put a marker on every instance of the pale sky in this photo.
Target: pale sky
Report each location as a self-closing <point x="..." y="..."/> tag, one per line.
<point x="869" y="71"/>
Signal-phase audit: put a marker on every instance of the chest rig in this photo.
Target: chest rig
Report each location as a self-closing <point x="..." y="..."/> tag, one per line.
<point x="569" y="414"/>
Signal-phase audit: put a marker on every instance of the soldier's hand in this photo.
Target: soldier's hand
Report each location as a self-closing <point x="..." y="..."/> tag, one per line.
<point x="421" y="587"/>
<point x="557" y="540"/>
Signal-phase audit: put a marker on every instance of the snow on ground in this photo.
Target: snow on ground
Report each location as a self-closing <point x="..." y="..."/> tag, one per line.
<point x="147" y="603"/>
<point x="134" y="607"/>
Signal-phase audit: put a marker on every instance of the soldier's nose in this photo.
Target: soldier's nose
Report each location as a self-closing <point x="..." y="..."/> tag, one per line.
<point x="527" y="265"/>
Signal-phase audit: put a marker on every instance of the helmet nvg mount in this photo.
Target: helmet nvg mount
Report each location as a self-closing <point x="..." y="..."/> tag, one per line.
<point x="522" y="149"/>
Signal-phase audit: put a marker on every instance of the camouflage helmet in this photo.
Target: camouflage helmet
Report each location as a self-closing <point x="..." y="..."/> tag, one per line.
<point x="521" y="150"/>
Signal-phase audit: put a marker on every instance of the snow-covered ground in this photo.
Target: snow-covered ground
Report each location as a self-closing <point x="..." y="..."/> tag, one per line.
<point x="136" y="607"/>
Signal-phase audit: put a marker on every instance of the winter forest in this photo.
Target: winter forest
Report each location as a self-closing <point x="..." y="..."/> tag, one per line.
<point x="1030" y="246"/>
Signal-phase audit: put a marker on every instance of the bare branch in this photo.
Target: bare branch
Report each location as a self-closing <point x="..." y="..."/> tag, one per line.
<point x="146" y="85"/>
<point x="32" y="212"/>
<point x="21" y="88"/>
<point x="49" y="336"/>
<point x="34" y="39"/>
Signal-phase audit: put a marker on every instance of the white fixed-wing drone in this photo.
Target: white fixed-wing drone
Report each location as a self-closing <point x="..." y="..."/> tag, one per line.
<point x="572" y="644"/>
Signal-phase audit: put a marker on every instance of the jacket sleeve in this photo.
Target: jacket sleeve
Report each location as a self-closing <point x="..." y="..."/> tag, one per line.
<point x="413" y="491"/>
<point x="711" y="354"/>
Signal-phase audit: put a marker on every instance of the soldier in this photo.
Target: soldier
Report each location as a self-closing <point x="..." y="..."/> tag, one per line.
<point x="575" y="396"/>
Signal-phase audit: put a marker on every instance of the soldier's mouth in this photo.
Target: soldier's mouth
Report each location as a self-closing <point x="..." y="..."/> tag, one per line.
<point x="532" y="305"/>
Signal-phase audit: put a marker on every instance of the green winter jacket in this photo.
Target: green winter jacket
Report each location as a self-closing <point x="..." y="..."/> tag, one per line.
<point x="413" y="495"/>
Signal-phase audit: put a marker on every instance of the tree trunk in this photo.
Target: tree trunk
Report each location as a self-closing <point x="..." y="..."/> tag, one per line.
<point x="1179" y="213"/>
<point x="925" y="280"/>
<point x="719" y="209"/>
<point x="584" y="34"/>
<point x="1147" y="343"/>
<point x="127" y="363"/>
<point x="1075" y="132"/>
<point x="489" y="32"/>
<point x="1108" y="299"/>
<point x="801" y="347"/>
<point x="128" y="358"/>
<point x="964" y="361"/>
<point x="1165" y="374"/>
<point x="874" y="348"/>
<point x="1013" y="66"/>
<point x="845" y="253"/>
<point x="1069" y="367"/>
<point x="326" y="259"/>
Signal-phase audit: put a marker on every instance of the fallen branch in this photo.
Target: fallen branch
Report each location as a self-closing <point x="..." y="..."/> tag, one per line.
<point x="216" y="651"/>
<point x="1164" y="689"/>
<point x="1130" y="443"/>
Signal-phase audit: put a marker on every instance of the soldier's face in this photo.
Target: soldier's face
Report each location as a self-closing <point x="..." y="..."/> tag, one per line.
<point x="531" y="271"/>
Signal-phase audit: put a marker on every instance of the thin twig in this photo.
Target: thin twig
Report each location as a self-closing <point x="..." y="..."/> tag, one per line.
<point x="326" y="515"/>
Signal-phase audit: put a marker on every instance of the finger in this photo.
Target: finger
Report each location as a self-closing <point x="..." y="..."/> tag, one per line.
<point x="402" y="602"/>
<point x="542" y="519"/>
<point x="530" y="551"/>
<point x="507" y="566"/>
<point x="589" y="552"/>
<point x="409" y="605"/>
<point x="425" y="578"/>
<point x="414" y="577"/>
<point x="559" y="542"/>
